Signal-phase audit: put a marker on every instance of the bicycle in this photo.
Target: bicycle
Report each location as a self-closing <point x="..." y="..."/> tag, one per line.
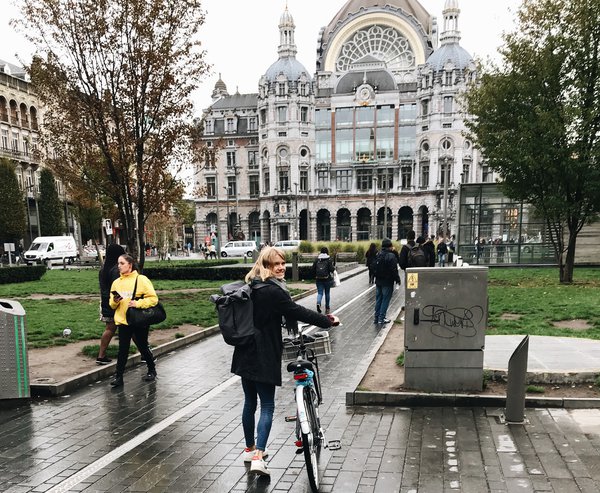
<point x="310" y="436"/>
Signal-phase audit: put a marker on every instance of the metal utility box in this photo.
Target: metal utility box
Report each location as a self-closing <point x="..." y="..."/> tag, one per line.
<point x="444" y="328"/>
<point x="14" y="370"/>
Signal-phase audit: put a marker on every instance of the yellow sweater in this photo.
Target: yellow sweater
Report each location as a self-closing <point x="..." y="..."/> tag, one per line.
<point x="124" y="286"/>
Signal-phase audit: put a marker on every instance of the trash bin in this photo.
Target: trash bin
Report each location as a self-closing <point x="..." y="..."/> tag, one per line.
<point x="14" y="370"/>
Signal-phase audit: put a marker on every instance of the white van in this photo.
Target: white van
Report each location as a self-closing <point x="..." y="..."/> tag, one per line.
<point x="292" y="245"/>
<point x="47" y="248"/>
<point x="238" y="249"/>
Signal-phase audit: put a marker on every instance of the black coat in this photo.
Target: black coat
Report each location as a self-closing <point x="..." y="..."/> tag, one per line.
<point x="260" y="361"/>
<point x="113" y="275"/>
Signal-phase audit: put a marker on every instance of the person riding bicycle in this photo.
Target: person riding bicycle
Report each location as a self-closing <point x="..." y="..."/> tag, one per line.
<point x="259" y="363"/>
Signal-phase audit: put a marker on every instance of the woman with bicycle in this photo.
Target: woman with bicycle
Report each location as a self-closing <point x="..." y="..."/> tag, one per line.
<point x="259" y="363"/>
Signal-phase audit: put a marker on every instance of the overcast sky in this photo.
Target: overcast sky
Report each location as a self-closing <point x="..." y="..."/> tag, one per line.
<point x="241" y="36"/>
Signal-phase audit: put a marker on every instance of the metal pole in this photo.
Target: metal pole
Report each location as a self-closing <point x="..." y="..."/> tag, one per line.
<point x="296" y="226"/>
<point x="515" y="391"/>
<point x="307" y="213"/>
<point x="228" y="218"/>
<point x="374" y="226"/>
<point x="37" y="214"/>
<point x="444" y="225"/>
<point x="211" y="159"/>
<point x="237" y="201"/>
<point x="385" y="209"/>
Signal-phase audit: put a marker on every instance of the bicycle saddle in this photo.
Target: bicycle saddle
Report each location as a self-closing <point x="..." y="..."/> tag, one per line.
<point x="300" y="365"/>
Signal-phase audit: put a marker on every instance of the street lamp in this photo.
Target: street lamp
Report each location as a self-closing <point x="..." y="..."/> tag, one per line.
<point x="385" y="207"/>
<point x="296" y="232"/>
<point x="228" y="192"/>
<point x="444" y="226"/>
<point x="374" y="225"/>
<point x="210" y="157"/>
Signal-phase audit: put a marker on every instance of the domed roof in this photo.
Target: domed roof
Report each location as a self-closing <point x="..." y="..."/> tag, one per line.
<point x="451" y="52"/>
<point x="288" y="66"/>
<point x="411" y="7"/>
<point x="286" y="18"/>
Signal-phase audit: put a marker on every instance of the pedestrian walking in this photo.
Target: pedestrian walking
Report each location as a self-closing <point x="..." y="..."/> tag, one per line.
<point x="370" y="256"/>
<point x="107" y="275"/>
<point x="412" y="254"/>
<point x="451" y="249"/>
<point x="429" y="249"/>
<point x="442" y="251"/>
<point x="323" y="268"/>
<point x="259" y="362"/>
<point x="131" y="290"/>
<point x="386" y="274"/>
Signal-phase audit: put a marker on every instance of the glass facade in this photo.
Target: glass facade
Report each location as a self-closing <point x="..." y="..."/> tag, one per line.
<point x="493" y="229"/>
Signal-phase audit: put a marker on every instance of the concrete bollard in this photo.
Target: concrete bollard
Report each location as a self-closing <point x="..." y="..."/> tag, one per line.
<point x="515" y="391"/>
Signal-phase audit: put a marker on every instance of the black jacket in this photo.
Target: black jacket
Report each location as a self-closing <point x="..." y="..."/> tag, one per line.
<point x="429" y="249"/>
<point x="403" y="260"/>
<point x="389" y="274"/>
<point x="113" y="275"/>
<point x="323" y="257"/>
<point x="260" y="361"/>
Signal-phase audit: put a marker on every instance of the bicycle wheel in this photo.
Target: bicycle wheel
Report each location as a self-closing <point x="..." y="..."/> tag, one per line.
<point x="311" y="441"/>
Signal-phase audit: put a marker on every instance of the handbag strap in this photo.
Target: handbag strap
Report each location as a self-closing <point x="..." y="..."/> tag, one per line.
<point x="135" y="287"/>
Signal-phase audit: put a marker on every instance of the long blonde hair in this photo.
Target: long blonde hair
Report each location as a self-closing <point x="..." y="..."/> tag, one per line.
<point x="265" y="261"/>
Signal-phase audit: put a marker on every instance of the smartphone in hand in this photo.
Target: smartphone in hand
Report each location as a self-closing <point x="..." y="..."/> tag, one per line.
<point x="115" y="294"/>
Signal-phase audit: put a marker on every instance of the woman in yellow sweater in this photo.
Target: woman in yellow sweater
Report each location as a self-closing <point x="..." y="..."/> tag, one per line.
<point x="121" y="299"/>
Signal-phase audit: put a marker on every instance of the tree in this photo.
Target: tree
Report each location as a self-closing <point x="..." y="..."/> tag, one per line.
<point x="537" y="117"/>
<point x="51" y="208"/>
<point x="115" y="78"/>
<point x="13" y="223"/>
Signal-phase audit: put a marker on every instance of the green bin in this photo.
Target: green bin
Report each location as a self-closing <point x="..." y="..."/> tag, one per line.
<point x="14" y="370"/>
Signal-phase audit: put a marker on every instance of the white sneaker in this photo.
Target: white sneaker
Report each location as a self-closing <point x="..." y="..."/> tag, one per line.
<point x="259" y="467"/>
<point x="249" y="454"/>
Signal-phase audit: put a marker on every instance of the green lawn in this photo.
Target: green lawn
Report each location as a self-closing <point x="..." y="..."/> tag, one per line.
<point x="533" y="293"/>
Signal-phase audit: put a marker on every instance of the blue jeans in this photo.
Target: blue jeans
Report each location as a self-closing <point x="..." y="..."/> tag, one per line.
<point x="442" y="258"/>
<point x="383" y="296"/>
<point x="324" y="287"/>
<point x="266" y="393"/>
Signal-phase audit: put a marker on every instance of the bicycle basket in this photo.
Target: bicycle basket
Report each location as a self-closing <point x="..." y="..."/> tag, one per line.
<point x="321" y="346"/>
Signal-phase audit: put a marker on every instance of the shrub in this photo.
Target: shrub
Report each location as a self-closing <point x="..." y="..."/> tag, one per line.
<point x="535" y="389"/>
<point x="400" y="359"/>
<point x="23" y="273"/>
<point x="306" y="247"/>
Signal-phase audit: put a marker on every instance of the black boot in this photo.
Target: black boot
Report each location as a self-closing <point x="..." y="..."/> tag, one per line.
<point x="319" y="308"/>
<point x="117" y="381"/>
<point x="150" y="376"/>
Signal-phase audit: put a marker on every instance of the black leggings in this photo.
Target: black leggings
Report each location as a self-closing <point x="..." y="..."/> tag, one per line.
<point x="141" y="341"/>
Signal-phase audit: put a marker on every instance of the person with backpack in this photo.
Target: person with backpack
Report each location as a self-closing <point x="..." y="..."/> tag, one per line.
<point x="323" y="268"/>
<point x="386" y="274"/>
<point x="412" y="254"/>
<point x="429" y="248"/>
<point x="259" y="361"/>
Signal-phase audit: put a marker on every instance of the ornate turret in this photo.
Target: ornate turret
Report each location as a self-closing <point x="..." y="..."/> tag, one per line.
<point x="220" y="90"/>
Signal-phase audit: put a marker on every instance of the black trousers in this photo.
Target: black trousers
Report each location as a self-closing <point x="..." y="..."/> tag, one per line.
<point x="141" y="341"/>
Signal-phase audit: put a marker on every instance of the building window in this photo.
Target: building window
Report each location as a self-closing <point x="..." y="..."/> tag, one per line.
<point x="343" y="180"/>
<point x="230" y="143"/>
<point x="231" y="186"/>
<point x="281" y="134"/>
<point x="303" y="180"/>
<point x="406" y="177"/>
<point x="253" y="186"/>
<point x="424" y="175"/>
<point x="465" y="172"/>
<point x="448" y="78"/>
<point x="209" y="126"/>
<point x="446" y="144"/>
<point x="364" y="179"/>
<point x="252" y="159"/>
<point x="267" y="181"/>
<point x="26" y="146"/>
<point x="4" y="139"/>
<point x="303" y="91"/>
<point x="425" y="107"/>
<point x="263" y="117"/>
<point x="284" y="181"/>
<point x="282" y="114"/>
<point x="323" y="180"/>
<point x="230" y="159"/>
<point x="486" y="175"/>
<point x="445" y="171"/>
<point x="447" y="104"/>
<point x="15" y="142"/>
<point x="304" y="114"/>
<point x="408" y="113"/>
<point x="385" y="179"/>
<point x="281" y="89"/>
<point x="210" y="186"/>
<point x="230" y="125"/>
<point x="252" y="123"/>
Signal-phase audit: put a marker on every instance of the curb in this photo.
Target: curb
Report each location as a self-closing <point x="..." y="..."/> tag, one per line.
<point x="92" y="376"/>
<point x="414" y="399"/>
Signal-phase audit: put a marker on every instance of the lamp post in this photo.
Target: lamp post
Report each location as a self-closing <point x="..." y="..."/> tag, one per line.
<point x="296" y="225"/>
<point x="444" y="225"/>
<point x="228" y="191"/>
<point x="374" y="225"/>
<point x="385" y="208"/>
<point x="238" y="222"/>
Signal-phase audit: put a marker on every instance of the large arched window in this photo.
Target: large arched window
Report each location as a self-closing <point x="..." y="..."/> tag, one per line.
<point x="383" y="42"/>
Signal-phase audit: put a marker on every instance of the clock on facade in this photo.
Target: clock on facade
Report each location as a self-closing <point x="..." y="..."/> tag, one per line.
<point x="364" y="94"/>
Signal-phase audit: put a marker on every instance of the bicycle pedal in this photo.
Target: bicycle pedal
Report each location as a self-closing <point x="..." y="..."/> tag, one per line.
<point x="289" y="419"/>
<point x="334" y="445"/>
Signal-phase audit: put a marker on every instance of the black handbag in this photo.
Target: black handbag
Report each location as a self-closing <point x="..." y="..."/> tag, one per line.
<point x="142" y="317"/>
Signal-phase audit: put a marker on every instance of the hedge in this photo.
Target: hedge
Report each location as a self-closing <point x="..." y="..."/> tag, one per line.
<point x="223" y="273"/>
<point x="22" y="273"/>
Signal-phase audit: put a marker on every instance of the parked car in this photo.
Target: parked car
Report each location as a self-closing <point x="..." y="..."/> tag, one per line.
<point x="238" y="249"/>
<point x="292" y="245"/>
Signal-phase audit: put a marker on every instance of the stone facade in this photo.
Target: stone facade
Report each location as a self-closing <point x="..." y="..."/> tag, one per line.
<point x="371" y="146"/>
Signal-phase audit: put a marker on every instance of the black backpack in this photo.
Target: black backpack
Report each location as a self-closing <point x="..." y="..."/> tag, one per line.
<point x="322" y="269"/>
<point x="416" y="256"/>
<point x="235" y="311"/>
<point x="384" y="265"/>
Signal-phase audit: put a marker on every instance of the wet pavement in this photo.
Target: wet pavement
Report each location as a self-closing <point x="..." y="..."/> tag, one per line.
<point x="183" y="432"/>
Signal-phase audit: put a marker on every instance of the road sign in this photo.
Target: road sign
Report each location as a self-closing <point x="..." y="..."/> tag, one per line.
<point x="108" y="227"/>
